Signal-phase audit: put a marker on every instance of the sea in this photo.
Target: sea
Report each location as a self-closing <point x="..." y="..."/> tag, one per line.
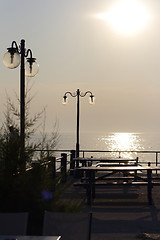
<point x="114" y="141"/>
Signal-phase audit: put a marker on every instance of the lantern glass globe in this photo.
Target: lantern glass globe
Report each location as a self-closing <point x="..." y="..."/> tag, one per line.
<point x="92" y="100"/>
<point x="11" y="60"/>
<point x="31" y="68"/>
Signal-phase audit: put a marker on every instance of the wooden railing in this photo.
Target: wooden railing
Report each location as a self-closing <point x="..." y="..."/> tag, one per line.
<point x="58" y="165"/>
<point x="156" y="160"/>
<point x="117" y="153"/>
<point x="62" y="164"/>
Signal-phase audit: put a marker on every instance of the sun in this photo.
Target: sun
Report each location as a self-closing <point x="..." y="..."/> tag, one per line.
<point x="126" y="16"/>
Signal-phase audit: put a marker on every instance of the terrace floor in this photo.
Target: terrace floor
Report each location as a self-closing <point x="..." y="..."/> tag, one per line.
<point x="120" y="213"/>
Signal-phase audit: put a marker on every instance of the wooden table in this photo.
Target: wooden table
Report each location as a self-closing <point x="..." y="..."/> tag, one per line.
<point x="110" y="160"/>
<point x="17" y="237"/>
<point x="90" y="181"/>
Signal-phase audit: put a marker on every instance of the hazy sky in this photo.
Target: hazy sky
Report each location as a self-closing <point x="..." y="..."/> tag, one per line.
<point x="77" y="49"/>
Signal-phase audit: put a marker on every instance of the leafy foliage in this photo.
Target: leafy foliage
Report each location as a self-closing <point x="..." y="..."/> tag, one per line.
<point x="22" y="191"/>
<point x="33" y="190"/>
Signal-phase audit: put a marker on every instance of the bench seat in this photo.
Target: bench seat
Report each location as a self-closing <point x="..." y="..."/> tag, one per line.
<point x="138" y="183"/>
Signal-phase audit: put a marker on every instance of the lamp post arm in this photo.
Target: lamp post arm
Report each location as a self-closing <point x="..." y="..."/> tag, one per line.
<point x="72" y="94"/>
<point x="84" y="94"/>
<point x="27" y="53"/>
<point x="16" y="46"/>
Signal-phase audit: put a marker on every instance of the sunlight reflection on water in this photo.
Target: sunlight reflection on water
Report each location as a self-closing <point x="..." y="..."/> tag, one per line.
<point x="114" y="142"/>
<point x="121" y="142"/>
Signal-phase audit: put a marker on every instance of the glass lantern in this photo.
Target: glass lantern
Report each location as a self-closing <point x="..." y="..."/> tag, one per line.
<point x="31" y="67"/>
<point x="92" y="99"/>
<point x="11" y="58"/>
<point x="65" y="100"/>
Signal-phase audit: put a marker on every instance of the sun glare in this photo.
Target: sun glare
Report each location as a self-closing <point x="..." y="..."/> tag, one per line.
<point x="124" y="141"/>
<point x="121" y="142"/>
<point x="126" y="16"/>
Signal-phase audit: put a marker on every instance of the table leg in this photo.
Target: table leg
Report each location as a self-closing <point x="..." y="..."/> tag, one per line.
<point x="88" y="194"/>
<point x="90" y="190"/>
<point x="149" y="178"/>
<point x="93" y="184"/>
<point x="135" y="176"/>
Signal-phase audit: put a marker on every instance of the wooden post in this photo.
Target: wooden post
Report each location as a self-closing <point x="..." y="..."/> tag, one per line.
<point x="72" y="162"/>
<point x="64" y="167"/>
<point x="77" y="163"/>
<point x="53" y="166"/>
<point x="135" y="172"/>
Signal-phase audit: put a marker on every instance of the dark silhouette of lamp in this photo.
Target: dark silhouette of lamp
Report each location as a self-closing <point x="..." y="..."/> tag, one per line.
<point x="14" y="57"/>
<point x="78" y="94"/>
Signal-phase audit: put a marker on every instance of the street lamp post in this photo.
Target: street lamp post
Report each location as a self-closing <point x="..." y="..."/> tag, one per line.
<point x="78" y="94"/>
<point x="12" y="59"/>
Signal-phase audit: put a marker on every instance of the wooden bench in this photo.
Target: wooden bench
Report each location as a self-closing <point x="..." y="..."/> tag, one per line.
<point x="84" y="184"/>
<point x="90" y="187"/>
<point x="91" y="181"/>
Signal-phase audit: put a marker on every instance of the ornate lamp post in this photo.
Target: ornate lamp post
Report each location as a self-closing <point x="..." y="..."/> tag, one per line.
<point x="13" y="57"/>
<point x="78" y="94"/>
